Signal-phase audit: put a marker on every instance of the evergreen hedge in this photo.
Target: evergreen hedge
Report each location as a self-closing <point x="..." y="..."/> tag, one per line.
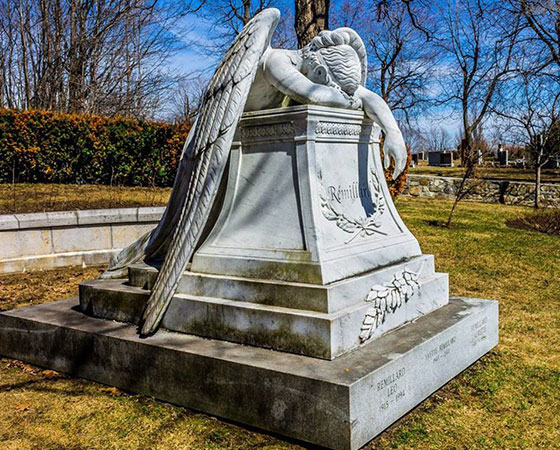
<point x="49" y="147"/>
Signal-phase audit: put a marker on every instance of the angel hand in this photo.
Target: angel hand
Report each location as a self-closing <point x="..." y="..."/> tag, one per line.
<point x="394" y="147"/>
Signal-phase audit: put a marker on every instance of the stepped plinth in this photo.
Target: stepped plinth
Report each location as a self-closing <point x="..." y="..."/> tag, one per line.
<point x="309" y="309"/>
<point x="307" y="230"/>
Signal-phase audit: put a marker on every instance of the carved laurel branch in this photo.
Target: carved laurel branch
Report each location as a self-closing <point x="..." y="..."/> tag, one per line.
<point x="387" y="298"/>
<point x="361" y="226"/>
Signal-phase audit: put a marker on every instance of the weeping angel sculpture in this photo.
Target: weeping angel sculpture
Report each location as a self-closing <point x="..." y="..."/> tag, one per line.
<point x="329" y="71"/>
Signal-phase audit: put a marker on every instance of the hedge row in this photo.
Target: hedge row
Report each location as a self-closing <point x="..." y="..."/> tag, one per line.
<point x="48" y="147"/>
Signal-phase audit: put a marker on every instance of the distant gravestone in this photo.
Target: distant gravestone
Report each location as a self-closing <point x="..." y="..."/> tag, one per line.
<point x="440" y="158"/>
<point x="281" y="288"/>
<point x="503" y="158"/>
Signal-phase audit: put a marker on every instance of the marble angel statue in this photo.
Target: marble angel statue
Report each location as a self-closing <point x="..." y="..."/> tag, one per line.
<point x="329" y="71"/>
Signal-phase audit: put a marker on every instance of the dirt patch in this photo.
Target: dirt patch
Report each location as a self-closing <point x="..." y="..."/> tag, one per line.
<point x="24" y="289"/>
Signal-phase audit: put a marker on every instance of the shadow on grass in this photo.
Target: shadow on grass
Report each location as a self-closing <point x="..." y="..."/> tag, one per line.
<point x="543" y="221"/>
<point x="443" y="224"/>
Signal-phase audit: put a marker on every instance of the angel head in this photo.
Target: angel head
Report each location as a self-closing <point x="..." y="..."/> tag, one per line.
<point x="337" y="59"/>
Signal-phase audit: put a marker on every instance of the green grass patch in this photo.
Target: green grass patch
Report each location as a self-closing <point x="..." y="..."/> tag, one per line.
<point x="508" y="399"/>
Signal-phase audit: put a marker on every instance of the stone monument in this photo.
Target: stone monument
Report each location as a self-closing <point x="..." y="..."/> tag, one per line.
<point x="281" y="288"/>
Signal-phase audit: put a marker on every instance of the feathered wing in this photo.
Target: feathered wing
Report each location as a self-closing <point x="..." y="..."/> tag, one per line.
<point x="154" y="243"/>
<point x="223" y="104"/>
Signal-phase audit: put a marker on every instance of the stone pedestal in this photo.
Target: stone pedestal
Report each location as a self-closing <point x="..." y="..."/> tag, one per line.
<point x="348" y="324"/>
<point x="339" y="404"/>
<point x="308" y="255"/>
<point x="306" y="201"/>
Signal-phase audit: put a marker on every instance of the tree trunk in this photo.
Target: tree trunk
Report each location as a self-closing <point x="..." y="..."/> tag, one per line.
<point x="312" y="17"/>
<point x="537" y="185"/>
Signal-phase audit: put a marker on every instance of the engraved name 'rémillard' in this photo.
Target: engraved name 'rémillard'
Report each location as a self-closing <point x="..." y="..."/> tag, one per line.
<point x="356" y="226"/>
<point x="387" y="298"/>
<point x="353" y="191"/>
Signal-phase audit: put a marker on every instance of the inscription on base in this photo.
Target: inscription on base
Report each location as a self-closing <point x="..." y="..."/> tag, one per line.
<point x="479" y="331"/>
<point x="441" y="351"/>
<point x="392" y="388"/>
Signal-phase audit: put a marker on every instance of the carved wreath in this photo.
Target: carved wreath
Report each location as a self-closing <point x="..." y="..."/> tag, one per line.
<point x="361" y="226"/>
<point x="387" y="298"/>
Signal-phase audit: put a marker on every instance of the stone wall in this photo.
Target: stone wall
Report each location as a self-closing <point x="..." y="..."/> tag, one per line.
<point x="43" y="241"/>
<point x="491" y="191"/>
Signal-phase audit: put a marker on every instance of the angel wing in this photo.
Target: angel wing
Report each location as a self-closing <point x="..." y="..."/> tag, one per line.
<point x="207" y="154"/>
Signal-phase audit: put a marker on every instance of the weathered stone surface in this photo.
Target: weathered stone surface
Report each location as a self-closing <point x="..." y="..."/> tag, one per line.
<point x="339" y="404"/>
<point x="99" y="216"/>
<point x="150" y="214"/>
<point x="31" y="242"/>
<point x="304" y="296"/>
<point x="123" y="235"/>
<point x="54" y="239"/>
<point x="33" y="220"/>
<point x="61" y="219"/>
<point x="55" y="260"/>
<point x="305" y="201"/>
<point x="8" y="222"/>
<point x="73" y="239"/>
<point x="322" y="321"/>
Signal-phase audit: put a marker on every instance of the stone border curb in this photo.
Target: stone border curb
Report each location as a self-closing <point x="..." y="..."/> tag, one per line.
<point x="42" y="241"/>
<point x="82" y="217"/>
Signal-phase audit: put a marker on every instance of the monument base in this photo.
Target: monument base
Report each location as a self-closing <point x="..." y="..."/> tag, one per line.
<point x="340" y="404"/>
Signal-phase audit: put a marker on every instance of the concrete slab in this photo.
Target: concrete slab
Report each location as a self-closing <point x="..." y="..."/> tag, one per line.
<point x="123" y="235"/>
<point x="8" y="222"/>
<point x="31" y="242"/>
<point x="107" y="216"/>
<point x="340" y="404"/>
<point x="75" y="239"/>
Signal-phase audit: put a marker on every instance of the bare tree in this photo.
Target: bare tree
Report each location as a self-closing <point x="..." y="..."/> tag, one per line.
<point x="95" y="56"/>
<point x="312" y="17"/>
<point x="185" y="98"/>
<point x="226" y="19"/>
<point x="542" y="17"/>
<point x="438" y="139"/>
<point x="530" y="113"/>
<point x="478" y="40"/>
<point x="401" y="60"/>
<point x="412" y="8"/>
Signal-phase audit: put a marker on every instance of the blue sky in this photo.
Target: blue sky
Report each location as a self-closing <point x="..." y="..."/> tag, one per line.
<point x="193" y="59"/>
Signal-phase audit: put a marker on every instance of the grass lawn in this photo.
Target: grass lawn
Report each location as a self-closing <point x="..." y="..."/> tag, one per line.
<point x="494" y="173"/>
<point x="24" y="198"/>
<point x="508" y="399"/>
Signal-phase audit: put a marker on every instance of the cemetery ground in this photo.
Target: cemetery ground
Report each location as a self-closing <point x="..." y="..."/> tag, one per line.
<point x="491" y="173"/>
<point x="508" y="399"/>
<point x="21" y="198"/>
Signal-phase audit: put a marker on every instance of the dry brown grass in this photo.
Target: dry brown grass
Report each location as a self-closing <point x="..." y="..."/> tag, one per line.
<point x="25" y="289"/>
<point x="25" y="198"/>
<point x="543" y="220"/>
<point x="508" y="399"/>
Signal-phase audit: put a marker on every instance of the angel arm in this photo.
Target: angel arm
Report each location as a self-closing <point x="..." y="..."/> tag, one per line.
<point x="378" y="111"/>
<point x="284" y="76"/>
